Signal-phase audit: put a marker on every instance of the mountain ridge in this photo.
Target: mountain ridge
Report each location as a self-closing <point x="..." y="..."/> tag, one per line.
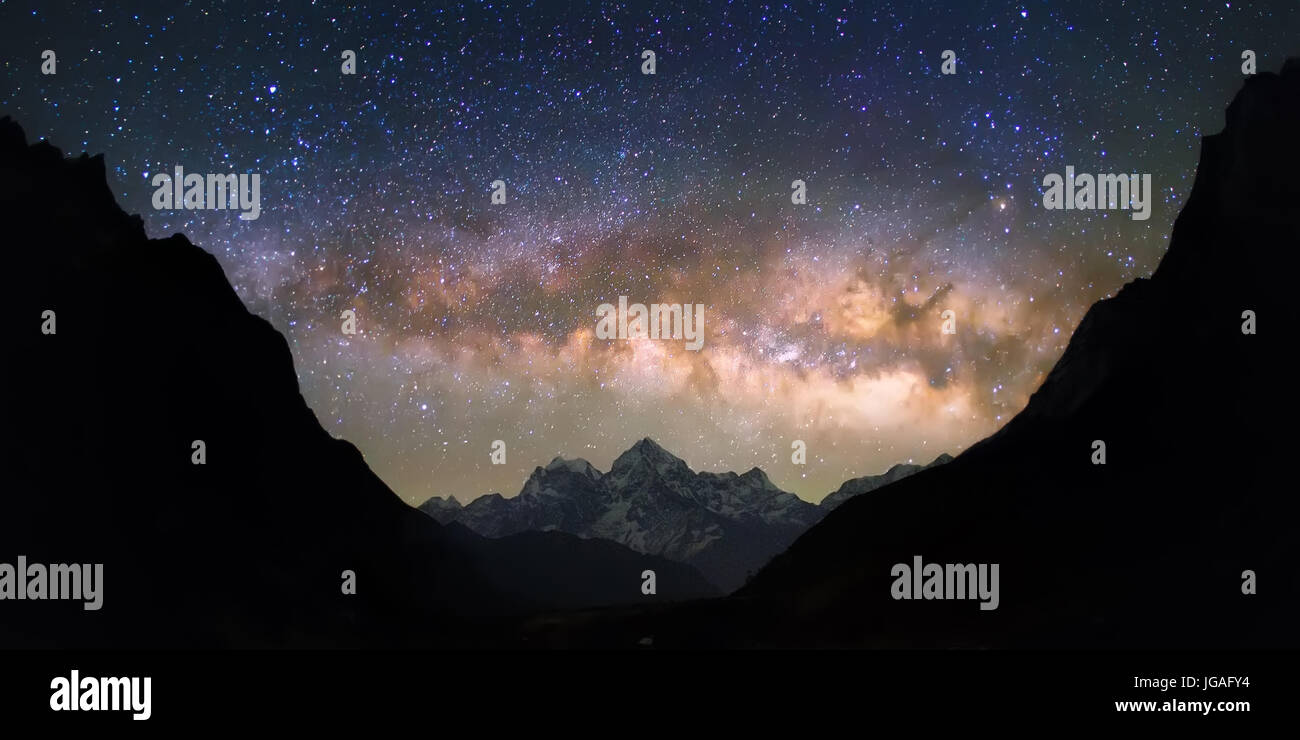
<point x="1180" y="379"/>
<point x="1160" y="373"/>
<point x="726" y="524"/>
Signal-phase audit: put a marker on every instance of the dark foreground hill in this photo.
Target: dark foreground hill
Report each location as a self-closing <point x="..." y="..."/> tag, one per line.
<point x="1149" y="549"/>
<point x="869" y="483"/>
<point x="152" y="350"/>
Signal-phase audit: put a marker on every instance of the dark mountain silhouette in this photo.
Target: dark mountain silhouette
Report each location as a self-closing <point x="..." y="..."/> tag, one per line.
<point x="1147" y="550"/>
<point x="868" y="483"/>
<point x="152" y="350"/>
<point x="727" y="525"/>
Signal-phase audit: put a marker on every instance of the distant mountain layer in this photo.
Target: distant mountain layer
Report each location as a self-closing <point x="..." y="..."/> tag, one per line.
<point x="725" y="524"/>
<point x="868" y="483"/>
<point x="151" y="350"/>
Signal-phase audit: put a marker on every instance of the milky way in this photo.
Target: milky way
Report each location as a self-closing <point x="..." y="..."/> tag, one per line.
<point x="476" y="321"/>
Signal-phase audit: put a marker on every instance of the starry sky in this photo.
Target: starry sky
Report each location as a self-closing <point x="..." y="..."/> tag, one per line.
<point x="822" y="321"/>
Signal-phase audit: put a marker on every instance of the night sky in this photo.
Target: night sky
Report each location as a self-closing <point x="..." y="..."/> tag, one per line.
<point x="822" y="321"/>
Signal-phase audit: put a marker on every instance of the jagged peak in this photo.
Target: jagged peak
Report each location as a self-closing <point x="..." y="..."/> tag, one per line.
<point x="757" y="475"/>
<point x="647" y="453"/>
<point x="576" y="465"/>
<point x="645" y="445"/>
<point x="1245" y="174"/>
<point x="81" y="183"/>
<point x="440" y="501"/>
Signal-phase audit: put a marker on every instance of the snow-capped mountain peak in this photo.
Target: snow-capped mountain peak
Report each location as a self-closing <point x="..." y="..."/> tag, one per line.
<point x="728" y="525"/>
<point x="576" y="465"/>
<point x="647" y="455"/>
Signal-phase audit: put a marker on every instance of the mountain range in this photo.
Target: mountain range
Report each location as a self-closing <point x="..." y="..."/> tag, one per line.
<point x="1181" y="533"/>
<point x="727" y="525"/>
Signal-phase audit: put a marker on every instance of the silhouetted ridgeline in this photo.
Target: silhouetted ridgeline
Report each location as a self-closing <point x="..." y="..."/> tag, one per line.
<point x="1148" y="550"/>
<point x="152" y="350"/>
